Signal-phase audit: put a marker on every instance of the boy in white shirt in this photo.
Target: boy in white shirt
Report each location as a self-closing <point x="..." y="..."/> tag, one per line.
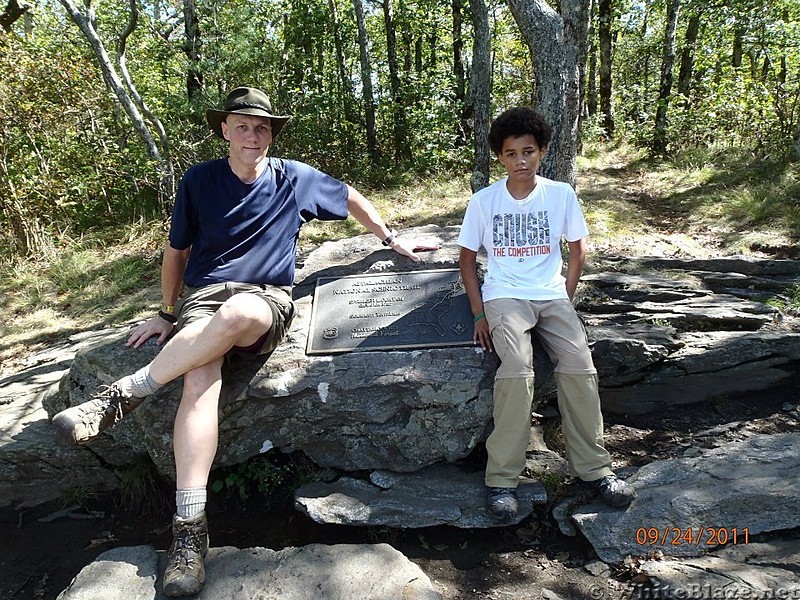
<point x="520" y="221"/>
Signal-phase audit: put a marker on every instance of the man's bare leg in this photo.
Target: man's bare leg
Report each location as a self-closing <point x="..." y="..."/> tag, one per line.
<point x="195" y="438"/>
<point x="195" y="444"/>
<point x="196" y="425"/>
<point x="240" y="321"/>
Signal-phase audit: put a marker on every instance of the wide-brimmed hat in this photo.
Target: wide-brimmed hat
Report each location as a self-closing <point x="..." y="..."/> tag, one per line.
<point x="246" y="101"/>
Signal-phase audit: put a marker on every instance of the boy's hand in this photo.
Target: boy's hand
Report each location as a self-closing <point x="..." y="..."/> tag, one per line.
<point x="481" y="335"/>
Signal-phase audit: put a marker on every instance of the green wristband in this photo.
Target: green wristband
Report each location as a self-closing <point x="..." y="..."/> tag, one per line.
<point x="478" y="317"/>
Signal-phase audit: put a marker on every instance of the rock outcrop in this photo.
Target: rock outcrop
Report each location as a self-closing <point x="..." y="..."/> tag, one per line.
<point x="33" y="467"/>
<point x="436" y="495"/>
<point x="757" y="570"/>
<point x="398" y="410"/>
<point x="688" y="506"/>
<point x="658" y="342"/>
<point x="339" y="572"/>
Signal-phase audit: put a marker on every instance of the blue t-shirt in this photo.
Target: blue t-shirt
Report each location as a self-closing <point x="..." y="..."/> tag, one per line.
<point x="248" y="232"/>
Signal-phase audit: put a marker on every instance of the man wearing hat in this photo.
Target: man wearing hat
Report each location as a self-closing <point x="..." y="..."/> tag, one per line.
<point x="231" y="247"/>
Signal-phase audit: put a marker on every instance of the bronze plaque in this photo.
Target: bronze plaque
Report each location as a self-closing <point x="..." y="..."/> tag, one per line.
<point x="389" y="311"/>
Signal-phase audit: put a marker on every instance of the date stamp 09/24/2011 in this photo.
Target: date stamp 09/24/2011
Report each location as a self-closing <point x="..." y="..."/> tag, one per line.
<point x="695" y="536"/>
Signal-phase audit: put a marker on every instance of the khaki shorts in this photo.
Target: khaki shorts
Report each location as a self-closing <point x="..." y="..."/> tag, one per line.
<point x="202" y="302"/>
<point x="559" y="328"/>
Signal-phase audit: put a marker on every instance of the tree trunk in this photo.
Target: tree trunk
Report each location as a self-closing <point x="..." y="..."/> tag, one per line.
<point x="408" y="44"/>
<point x="591" y="75"/>
<point x="400" y="128"/>
<point x="665" y="89"/>
<point x="433" y="42"/>
<point x="576" y="45"/>
<point x="13" y="11"/>
<point x="168" y="175"/>
<point x="481" y="91"/>
<point x="192" y="47"/>
<point x="782" y="71"/>
<point x="797" y="141"/>
<point x="576" y="28"/>
<point x="86" y="25"/>
<point x="557" y="44"/>
<point x="738" y="46"/>
<point x="459" y="77"/>
<point x="346" y="90"/>
<point x="366" y="81"/>
<point x="604" y="17"/>
<point x="645" y="92"/>
<point x="687" y="56"/>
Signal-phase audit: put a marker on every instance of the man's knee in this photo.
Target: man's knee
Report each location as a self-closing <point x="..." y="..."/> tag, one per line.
<point x="244" y="312"/>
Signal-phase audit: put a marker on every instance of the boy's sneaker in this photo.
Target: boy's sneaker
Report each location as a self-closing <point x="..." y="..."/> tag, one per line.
<point x="81" y="423"/>
<point x="502" y="503"/>
<point x="185" y="573"/>
<point x="614" y="491"/>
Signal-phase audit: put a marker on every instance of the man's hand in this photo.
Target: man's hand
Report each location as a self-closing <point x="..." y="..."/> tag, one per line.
<point x="409" y="248"/>
<point x="144" y="331"/>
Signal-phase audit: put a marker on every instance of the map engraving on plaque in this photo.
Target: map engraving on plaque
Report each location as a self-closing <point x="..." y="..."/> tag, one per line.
<point x="388" y="311"/>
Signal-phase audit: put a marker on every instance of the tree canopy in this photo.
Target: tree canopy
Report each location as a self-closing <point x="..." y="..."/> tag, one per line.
<point x="378" y="89"/>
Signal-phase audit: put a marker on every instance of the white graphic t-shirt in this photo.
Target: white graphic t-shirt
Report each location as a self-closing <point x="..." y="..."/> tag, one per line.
<point x="523" y="238"/>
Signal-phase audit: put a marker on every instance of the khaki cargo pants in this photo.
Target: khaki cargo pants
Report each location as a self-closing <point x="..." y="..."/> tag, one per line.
<point x="561" y="333"/>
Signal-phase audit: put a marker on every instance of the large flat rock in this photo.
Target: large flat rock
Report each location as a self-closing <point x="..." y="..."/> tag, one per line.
<point x="399" y="410"/>
<point x="437" y="495"/>
<point x="746" y="570"/>
<point x="339" y="572"/>
<point x="687" y="506"/>
<point x="33" y="468"/>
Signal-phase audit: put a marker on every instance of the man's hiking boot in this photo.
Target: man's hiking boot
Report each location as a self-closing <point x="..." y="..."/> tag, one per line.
<point x="613" y="491"/>
<point x="185" y="572"/>
<point x="502" y="503"/>
<point x="81" y="423"/>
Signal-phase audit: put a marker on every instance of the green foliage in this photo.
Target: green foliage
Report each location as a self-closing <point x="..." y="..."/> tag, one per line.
<point x="64" y="162"/>
<point x="265" y="474"/>
<point x="78" y="495"/>
<point x="755" y="104"/>
<point x="551" y="481"/>
<point x="788" y="302"/>
<point x="71" y="162"/>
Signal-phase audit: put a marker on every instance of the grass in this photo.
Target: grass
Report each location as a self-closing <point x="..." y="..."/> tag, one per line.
<point x="420" y="202"/>
<point x="78" y="284"/>
<point x="142" y="490"/>
<point x="703" y="202"/>
<point x="788" y="302"/>
<point x="726" y="200"/>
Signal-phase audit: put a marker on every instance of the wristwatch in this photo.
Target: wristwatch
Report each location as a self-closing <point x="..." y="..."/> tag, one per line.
<point x="388" y="241"/>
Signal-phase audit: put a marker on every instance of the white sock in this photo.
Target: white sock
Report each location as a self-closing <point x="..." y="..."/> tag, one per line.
<point x="190" y="502"/>
<point x="140" y="384"/>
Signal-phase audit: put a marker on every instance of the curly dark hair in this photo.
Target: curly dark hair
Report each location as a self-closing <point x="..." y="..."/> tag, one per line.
<point x="516" y="122"/>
